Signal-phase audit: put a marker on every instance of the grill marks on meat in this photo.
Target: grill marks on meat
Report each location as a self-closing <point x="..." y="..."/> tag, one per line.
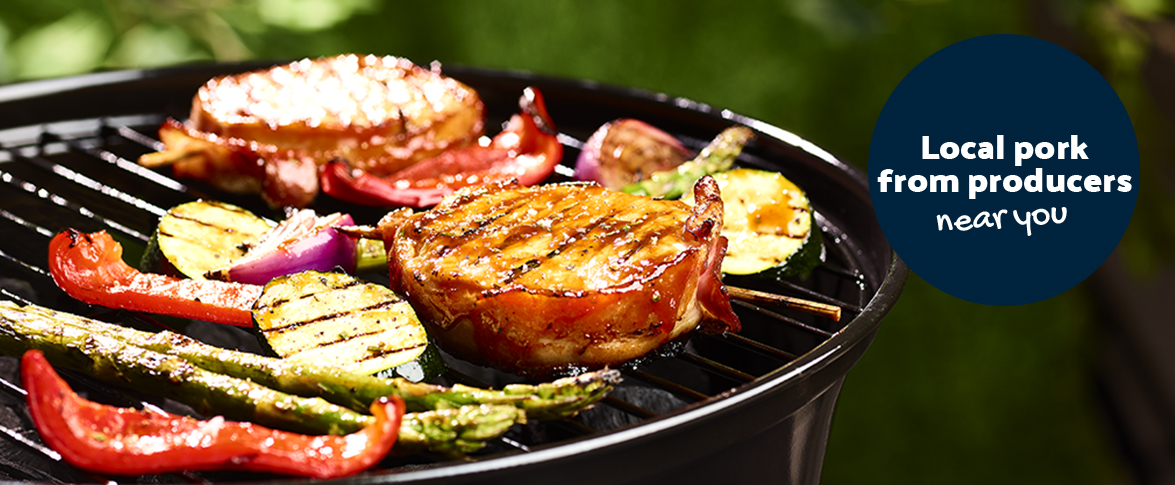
<point x="269" y="131"/>
<point x="581" y="247"/>
<point x="381" y="113"/>
<point x="539" y="279"/>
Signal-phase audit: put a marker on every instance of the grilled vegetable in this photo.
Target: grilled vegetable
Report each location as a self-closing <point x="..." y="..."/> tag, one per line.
<point x="214" y="240"/>
<point x="108" y="359"/>
<point x="370" y="255"/>
<point x="197" y="237"/>
<point x="719" y="155"/>
<point x="90" y="268"/>
<point x="114" y="362"/>
<point x="336" y="320"/>
<point x="106" y="439"/>
<point x="455" y="434"/>
<point x="769" y="223"/>
<point x="627" y="151"/>
<point x="303" y="241"/>
<point x="552" y="400"/>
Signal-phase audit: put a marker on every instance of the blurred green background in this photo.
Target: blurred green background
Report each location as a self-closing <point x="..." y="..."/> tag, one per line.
<point x="950" y="392"/>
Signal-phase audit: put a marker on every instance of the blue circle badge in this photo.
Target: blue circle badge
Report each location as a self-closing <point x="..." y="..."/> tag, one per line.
<point x="1004" y="170"/>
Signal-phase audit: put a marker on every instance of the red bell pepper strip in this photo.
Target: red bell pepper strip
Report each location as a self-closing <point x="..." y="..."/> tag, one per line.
<point x="124" y="441"/>
<point x="89" y="267"/>
<point x="527" y="151"/>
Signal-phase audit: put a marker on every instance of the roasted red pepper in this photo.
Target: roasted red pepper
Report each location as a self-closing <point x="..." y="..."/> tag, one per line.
<point x="124" y="441"/>
<point x="527" y="151"/>
<point x="90" y="268"/>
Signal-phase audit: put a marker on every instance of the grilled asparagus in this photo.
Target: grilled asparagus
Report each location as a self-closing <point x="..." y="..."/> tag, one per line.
<point x="114" y="362"/>
<point x="552" y="400"/>
<point x="453" y="431"/>
<point x="719" y="155"/>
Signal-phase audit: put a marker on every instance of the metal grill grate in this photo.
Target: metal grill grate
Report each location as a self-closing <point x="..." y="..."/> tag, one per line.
<point x="81" y="174"/>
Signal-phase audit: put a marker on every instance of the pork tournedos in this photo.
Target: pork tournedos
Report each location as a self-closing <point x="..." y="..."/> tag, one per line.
<point x="542" y="280"/>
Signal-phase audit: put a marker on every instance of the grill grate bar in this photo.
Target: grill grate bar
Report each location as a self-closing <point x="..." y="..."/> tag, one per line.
<point x="514" y="444"/>
<point x="21" y="471"/>
<point x="20" y="438"/>
<point x="22" y="264"/>
<point x="668" y="385"/>
<point x="819" y="296"/>
<point x="141" y="139"/>
<point x="844" y="273"/>
<point x="62" y="202"/>
<point x="13" y="388"/>
<point x="757" y="345"/>
<point x="717" y="367"/>
<point x="193" y="477"/>
<point x="577" y="427"/>
<point x="124" y="164"/>
<point x="23" y="440"/>
<point x="628" y="407"/>
<point x="22" y="222"/>
<point x="83" y="382"/>
<point x="782" y="318"/>
<point x="13" y="296"/>
<point x="83" y="180"/>
<point x="88" y="383"/>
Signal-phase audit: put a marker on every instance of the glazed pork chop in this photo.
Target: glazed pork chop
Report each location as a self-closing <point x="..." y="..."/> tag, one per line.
<point x="547" y="279"/>
<point x="268" y="131"/>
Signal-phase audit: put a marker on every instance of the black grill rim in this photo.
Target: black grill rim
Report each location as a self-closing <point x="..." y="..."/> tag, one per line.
<point x="25" y="106"/>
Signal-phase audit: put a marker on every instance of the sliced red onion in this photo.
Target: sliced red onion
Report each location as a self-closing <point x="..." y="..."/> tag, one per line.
<point x="625" y="151"/>
<point x="302" y="242"/>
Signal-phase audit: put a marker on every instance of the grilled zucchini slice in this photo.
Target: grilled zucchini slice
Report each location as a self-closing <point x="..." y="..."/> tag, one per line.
<point x="197" y="237"/>
<point x="336" y="320"/>
<point x="769" y="223"/>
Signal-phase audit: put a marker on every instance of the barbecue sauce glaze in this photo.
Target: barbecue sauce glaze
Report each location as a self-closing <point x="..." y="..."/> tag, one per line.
<point x="539" y="280"/>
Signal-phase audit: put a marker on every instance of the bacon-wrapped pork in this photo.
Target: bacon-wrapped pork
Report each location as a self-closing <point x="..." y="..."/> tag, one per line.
<point x="268" y="131"/>
<point x="546" y="279"/>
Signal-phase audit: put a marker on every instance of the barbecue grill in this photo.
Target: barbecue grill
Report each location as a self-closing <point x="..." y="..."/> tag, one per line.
<point x="749" y="408"/>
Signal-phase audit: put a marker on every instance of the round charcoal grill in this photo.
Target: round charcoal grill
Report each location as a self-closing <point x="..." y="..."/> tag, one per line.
<point x="749" y="408"/>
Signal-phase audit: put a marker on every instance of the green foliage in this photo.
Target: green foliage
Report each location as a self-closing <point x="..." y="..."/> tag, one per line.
<point x="75" y="43"/>
<point x="961" y="393"/>
<point x="63" y="37"/>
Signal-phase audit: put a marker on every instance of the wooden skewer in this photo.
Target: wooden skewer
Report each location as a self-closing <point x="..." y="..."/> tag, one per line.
<point x="364" y="231"/>
<point x="165" y="158"/>
<point x="799" y="304"/>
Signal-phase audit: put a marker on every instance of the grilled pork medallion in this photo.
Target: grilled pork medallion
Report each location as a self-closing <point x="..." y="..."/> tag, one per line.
<point x="269" y="130"/>
<point x="540" y="280"/>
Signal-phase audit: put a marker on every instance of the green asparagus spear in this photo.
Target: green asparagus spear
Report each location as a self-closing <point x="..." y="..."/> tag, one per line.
<point x="552" y="400"/>
<point x="455" y="432"/>
<point x="448" y="431"/>
<point x="719" y="155"/>
<point x="115" y="362"/>
<point x="370" y="255"/>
